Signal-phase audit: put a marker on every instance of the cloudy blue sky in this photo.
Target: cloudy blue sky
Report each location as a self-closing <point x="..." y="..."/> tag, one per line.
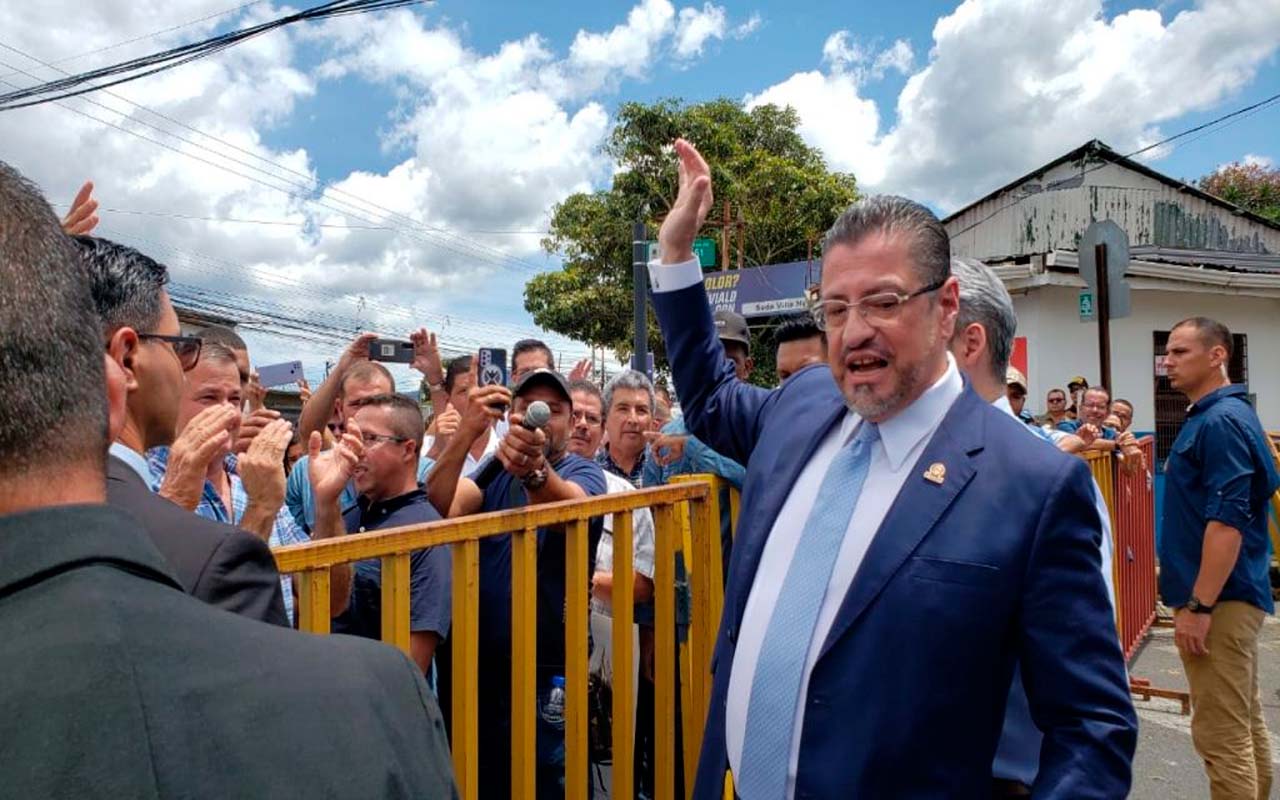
<point x="394" y="170"/>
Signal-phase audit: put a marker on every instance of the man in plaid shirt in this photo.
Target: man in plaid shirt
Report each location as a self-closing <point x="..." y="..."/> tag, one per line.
<point x="200" y="473"/>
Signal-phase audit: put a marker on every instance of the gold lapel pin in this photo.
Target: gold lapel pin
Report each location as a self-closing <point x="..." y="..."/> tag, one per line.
<point x="936" y="473"/>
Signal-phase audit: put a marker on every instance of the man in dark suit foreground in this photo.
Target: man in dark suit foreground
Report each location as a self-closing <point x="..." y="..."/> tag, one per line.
<point x="891" y="566"/>
<point x="220" y="564"/>
<point x="117" y="684"/>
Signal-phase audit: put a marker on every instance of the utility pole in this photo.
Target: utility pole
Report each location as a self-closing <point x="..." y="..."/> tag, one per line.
<point x="1103" y="307"/>
<point x="640" y="281"/>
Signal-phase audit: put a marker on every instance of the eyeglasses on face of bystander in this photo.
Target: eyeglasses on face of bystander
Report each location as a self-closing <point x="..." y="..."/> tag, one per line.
<point x="881" y="308"/>
<point x="186" y="348"/>
<point x="374" y="439"/>
<point x="580" y="415"/>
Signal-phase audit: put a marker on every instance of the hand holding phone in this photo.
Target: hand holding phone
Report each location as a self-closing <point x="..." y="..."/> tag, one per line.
<point x="492" y="369"/>
<point x="391" y="350"/>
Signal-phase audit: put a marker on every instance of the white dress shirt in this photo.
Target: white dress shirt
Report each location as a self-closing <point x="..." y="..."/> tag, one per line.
<point x="135" y="460"/>
<point x="902" y="440"/>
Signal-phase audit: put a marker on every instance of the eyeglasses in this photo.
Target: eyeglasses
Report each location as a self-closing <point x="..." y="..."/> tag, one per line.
<point x="187" y="348"/>
<point x="372" y="439"/>
<point x="876" y="309"/>
<point x="1057" y="399"/>
<point x="591" y="419"/>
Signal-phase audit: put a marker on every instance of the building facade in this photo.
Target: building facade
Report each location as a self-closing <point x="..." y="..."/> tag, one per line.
<point x="1191" y="254"/>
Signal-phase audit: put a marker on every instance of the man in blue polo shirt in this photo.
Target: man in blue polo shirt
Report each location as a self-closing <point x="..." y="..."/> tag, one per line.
<point x="1213" y="558"/>
<point x="386" y="477"/>
<point x="537" y="468"/>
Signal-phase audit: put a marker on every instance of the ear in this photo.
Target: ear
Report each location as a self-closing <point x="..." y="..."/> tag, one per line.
<point x="973" y="345"/>
<point x="122" y="348"/>
<point x="750" y="364"/>
<point x="117" y="397"/>
<point x="949" y="301"/>
<point x="1218" y="355"/>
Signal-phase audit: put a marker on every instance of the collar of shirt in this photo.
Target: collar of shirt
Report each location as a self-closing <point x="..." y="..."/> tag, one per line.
<point x="901" y="433"/>
<point x="383" y="508"/>
<point x="1203" y="404"/>
<point x="635" y="476"/>
<point x="135" y="461"/>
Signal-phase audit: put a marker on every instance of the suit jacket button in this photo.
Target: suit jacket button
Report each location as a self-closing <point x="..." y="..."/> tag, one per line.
<point x="817" y="700"/>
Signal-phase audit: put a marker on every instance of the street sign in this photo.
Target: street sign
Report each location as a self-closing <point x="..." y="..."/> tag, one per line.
<point x="1086" y="306"/>
<point x="1106" y="232"/>
<point x="704" y="247"/>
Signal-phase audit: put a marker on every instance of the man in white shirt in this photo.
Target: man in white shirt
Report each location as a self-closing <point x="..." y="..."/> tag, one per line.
<point x="890" y="567"/>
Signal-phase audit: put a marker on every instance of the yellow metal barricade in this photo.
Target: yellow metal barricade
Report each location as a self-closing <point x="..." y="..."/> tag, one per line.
<point x="686" y="520"/>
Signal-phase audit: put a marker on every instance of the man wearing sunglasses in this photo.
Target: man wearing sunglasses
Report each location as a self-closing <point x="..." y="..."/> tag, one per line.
<point x="386" y="477"/>
<point x="217" y="563"/>
<point x="886" y="529"/>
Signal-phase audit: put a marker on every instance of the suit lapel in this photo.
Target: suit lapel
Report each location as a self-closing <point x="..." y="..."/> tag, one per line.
<point x="747" y="552"/>
<point x="919" y="505"/>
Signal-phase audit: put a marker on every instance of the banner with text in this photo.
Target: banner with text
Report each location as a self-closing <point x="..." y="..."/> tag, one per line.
<point x="761" y="291"/>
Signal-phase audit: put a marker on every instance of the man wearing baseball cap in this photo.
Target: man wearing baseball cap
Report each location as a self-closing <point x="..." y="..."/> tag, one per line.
<point x="536" y="468"/>
<point x="1016" y="390"/>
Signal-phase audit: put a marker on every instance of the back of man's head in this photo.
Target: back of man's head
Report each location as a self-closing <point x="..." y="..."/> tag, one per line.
<point x="220" y="334"/>
<point x="51" y="347"/>
<point x="985" y="301"/>
<point x="127" y="286"/>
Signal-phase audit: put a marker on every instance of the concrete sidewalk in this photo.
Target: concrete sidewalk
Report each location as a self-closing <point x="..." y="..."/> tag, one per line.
<point x="1166" y="766"/>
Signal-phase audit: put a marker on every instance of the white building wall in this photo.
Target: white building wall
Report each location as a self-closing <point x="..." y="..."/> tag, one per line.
<point x="1060" y="346"/>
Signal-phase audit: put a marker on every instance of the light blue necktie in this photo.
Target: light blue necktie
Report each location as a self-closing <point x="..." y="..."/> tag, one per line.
<point x="775" y="688"/>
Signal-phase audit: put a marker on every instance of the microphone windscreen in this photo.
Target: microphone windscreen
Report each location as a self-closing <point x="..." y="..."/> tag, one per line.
<point x="537" y="415"/>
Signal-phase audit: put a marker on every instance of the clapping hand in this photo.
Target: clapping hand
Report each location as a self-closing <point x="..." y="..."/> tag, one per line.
<point x="331" y="471"/>
<point x="261" y="468"/>
<point x="206" y="437"/>
<point x="581" y="371"/>
<point x="252" y="425"/>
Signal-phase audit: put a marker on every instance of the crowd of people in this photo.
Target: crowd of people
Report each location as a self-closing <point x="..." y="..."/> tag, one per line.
<point x="886" y="529"/>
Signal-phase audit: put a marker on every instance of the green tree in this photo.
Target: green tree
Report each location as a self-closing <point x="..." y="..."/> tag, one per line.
<point x="781" y="187"/>
<point x="1251" y="186"/>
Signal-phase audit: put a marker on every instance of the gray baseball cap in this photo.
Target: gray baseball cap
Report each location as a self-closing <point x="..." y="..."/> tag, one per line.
<point x="732" y="327"/>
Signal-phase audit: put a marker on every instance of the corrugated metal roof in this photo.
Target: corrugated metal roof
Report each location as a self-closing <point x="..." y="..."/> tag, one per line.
<point x="1097" y="150"/>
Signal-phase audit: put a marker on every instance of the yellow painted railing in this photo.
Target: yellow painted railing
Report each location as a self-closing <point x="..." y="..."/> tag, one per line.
<point x="686" y="519"/>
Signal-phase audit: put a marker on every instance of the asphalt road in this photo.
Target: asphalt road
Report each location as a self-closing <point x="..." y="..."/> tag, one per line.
<point x="1166" y="766"/>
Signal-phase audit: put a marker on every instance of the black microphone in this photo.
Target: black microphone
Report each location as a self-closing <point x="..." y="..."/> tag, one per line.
<point x="536" y="416"/>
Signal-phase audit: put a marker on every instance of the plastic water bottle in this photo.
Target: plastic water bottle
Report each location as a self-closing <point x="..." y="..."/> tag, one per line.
<point x="553" y="710"/>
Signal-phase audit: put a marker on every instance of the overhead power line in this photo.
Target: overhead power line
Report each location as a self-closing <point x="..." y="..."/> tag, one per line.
<point x="335" y="199"/>
<point x="153" y="34"/>
<point x="136" y="68"/>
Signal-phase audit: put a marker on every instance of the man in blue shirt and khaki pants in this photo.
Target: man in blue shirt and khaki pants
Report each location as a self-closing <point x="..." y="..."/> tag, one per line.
<point x="1214" y="561"/>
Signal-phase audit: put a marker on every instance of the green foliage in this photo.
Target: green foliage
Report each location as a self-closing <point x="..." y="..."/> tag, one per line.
<point x="781" y="187"/>
<point x="1250" y="186"/>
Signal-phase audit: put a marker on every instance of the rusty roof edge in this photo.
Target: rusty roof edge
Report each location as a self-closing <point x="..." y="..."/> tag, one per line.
<point x="1098" y="148"/>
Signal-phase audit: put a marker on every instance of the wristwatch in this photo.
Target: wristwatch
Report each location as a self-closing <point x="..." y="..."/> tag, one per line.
<point x="436" y="387"/>
<point x="535" y="480"/>
<point x="1196" y="607"/>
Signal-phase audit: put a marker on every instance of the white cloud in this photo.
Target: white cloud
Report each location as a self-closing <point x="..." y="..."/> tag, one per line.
<point x="696" y="26"/>
<point x="898" y="58"/>
<point x="1011" y="84"/>
<point x="750" y="26"/>
<point x="490" y="141"/>
<point x="1252" y="159"/>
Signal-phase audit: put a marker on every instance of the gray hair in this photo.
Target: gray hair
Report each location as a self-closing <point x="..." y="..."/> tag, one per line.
<point x="927" y="239"/>
<point x="51" y="348"/>
<point x="984" y="300"/>
<point x="126" y="284"/>
<point x="627" y="379"/>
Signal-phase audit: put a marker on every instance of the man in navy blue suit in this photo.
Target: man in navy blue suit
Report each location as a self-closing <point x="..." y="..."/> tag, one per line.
<point x="891" y="566"/>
